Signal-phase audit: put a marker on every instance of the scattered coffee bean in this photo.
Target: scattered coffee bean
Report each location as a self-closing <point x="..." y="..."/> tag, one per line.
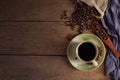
<point x="82" y="16"/>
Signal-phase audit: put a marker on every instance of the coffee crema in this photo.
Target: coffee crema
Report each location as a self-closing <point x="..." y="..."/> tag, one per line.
<point x="87" y="51"/>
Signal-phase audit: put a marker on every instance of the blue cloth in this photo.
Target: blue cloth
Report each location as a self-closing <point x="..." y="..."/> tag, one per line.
<point x="111" y="22"/>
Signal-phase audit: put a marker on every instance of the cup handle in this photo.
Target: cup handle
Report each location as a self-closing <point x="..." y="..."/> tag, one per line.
<point x="95" y="63"/>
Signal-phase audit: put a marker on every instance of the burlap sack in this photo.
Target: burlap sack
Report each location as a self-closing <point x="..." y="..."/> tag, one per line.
<point x="100" y="5"/>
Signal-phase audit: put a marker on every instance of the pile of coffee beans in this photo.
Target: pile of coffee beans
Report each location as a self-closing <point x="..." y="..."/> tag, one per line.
<point x="82" y="16"/>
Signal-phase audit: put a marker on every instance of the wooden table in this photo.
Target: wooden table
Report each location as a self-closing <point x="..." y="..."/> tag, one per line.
<point x="33" y="42"/>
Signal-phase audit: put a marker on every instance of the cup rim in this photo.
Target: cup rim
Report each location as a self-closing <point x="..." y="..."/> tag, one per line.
<point x="96" y="54"/>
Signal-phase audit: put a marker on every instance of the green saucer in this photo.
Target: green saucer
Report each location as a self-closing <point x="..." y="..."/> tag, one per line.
<point x="76" y="61"/>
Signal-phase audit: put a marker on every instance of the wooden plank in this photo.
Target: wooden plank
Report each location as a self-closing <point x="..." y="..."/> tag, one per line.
<point x="37" y="38"/>
<point x="43" y="10"/>
<point x="44" y="68"/>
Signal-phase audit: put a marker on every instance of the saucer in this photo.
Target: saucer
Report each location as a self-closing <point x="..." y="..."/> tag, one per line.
<point x="78" y="63"/>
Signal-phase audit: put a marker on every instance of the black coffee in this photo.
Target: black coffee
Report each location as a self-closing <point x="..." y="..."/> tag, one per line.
<point x="87" y="51"/>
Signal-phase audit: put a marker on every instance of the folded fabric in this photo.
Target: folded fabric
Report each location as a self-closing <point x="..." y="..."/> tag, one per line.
<point x="111" y="22"/>
<point x="100" y="5"/>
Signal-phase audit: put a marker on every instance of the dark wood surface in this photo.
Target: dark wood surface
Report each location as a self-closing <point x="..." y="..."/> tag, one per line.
<point x="37" y="38"/>
<point x="33" y="10"/>
<point x="44" y="68"/>
<point x="33" y="42"/>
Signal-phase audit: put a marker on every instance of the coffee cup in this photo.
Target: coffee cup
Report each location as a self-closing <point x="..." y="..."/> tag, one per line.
<point x="87" y="52"/>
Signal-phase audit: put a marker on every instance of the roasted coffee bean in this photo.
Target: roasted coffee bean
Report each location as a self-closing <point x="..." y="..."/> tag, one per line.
<point x="102" y="33"/>
<point x="105" y="37"/>
<point x="82" y="16"/>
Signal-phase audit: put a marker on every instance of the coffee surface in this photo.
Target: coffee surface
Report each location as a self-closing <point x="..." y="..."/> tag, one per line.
<point x="87" y="51"/>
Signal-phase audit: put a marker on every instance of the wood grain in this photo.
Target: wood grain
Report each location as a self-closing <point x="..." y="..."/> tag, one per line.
<point x="38" y="38"/>
<point x="34" y="10"/>
<point x="33" y="42"/>
<point x="44" y="68"/>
